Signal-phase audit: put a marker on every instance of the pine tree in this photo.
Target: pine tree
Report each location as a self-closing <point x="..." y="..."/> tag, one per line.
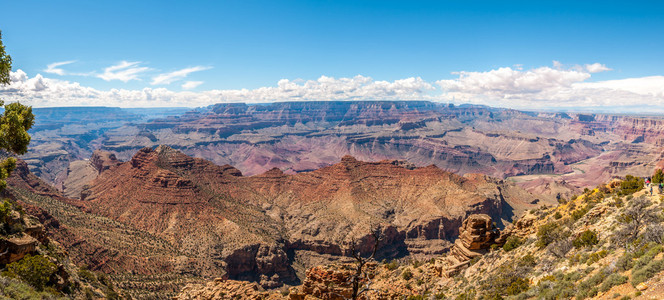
<point x="15" y="122"/>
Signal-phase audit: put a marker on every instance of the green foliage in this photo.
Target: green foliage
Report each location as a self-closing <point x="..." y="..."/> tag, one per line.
<point x="579" y="213"/>
<point x="585" y="239"/>
<point x="646" y="272"/>
<point x="625" y="262"/>
<point x="557" y="215"/>
<point x="658" y="176"/>
<point x="86" y="275"/>
<point x="611" y="281"/>
<point x="11" y="288"/>
<point x="595" y="257"/>
<point x="5" y="64"/>
<point x="14" y="123"/>
<point x="512" y="243"/>
<point x="407" y="274"/>
<point x="35" y="270"/>
<point x="590" y="286"/>
<point x="648" y="256"/>
<point x="549" y="233"/>
<point x="5" y="209"/>
<point x="630" y="185"/>
<point x="393" y="265"/>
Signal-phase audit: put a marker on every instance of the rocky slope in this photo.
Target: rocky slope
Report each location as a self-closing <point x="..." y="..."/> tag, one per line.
<point x="269" y="228"/>
<point x="33" y="265"/>
<point x="604" y="244"/>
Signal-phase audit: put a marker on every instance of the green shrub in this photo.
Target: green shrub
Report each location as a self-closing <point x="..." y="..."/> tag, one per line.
<point x="5" y="209"/>
<point x="557" y="215"/>
<point x="647" y="272"/>
<point x="595" y="257"/>
<point x="579" y="213"/>
<point x="512" y="243"/>
<point x="658" y="176"/>
<point x="35" y="270"/>
<point x="86" y="275"/>
<point x="625" y="262"/>
<point x="585" y="239"/>
<point x="549" y="233"/>
<point x="630" y="185"/>
<point x="611" y="281"/>
<point x="393" y="265"/>
<point x="407" y="274"/>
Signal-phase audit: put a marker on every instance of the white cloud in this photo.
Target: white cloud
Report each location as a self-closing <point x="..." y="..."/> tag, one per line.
<point x="543" y="87"/>
<point x="507" y="81"/>
<point x="167" y="78"/>
<point x="124" y="71"/>
<point x="596" y="68"/>
<point x="43" y="92"/>
<point x="556" y="87"/>
<point x="53" y="68"/>
<point x="188" y="85"/>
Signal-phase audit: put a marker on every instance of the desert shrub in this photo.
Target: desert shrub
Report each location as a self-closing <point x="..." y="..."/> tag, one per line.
<point x="658" y="176"/>
<point x="549" y="233"/>
<point x="579" y="213"/>
<point x="595" y="257"/>
<point x="585" y="239"/>
<point x="630" y="185"/>
<point x="590" y="286"/>
<point x="416" y="263"/>
<point x="517" y="286"/>
<point x="407" y="274"/>
<point x="625" y="262"/>
<point x="648" y="256"/>
<point x="5" y="209"/>
<point x="468" y="294"/>
<point x="392" y="265"/>
<point x="654" y="233"/>
<point x="634" y="218"/>
<point x="557" y="215"/>
<point x="646" y="272"/>
<point x="559" y="248"/>
<point x="35" y="270"/>
<point x="12" y="288"/>
<point x="512" y="280"/>
<point x="611" y="281"/>
<point x="86" y="275"/>
<point x="512" y="243"/>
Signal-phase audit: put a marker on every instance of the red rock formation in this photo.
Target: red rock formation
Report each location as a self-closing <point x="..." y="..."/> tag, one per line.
<point x="250" y="223"/>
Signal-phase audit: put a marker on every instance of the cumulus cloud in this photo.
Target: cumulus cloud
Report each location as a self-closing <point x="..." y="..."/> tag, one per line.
<point x="555" y="87"/>
<point x="124" y="71"/>
<point x="42" y="92"/>
<point x="188" y="85"/>
<point x="53" y="68"/>
<point x="515" y="87"/>
<point x="167" y="78"/>
<point x="596" y="68"/>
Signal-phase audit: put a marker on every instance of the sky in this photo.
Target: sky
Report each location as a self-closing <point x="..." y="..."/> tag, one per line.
<point x="596" y="55"/>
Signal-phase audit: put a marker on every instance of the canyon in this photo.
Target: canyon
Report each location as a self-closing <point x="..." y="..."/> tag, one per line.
<point x="553" y="154"/>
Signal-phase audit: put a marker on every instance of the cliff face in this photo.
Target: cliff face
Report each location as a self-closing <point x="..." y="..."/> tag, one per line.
<point x="305" y="136"/>
<point x="253" y="227"/>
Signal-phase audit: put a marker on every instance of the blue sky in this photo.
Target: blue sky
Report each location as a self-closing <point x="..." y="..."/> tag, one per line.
<point x="234" y="45"/>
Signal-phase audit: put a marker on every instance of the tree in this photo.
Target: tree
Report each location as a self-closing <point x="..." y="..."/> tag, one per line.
<point x="637" y="216"/>
<point x="361" y="276"/>
<point x="36" y="270"/>
<point x="658" y="177"/>
<point x="14" y="123"/>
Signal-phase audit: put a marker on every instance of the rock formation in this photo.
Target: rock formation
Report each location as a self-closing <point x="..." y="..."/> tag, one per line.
<point x="163" y="212"/>
<point x="476" y="235"/>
